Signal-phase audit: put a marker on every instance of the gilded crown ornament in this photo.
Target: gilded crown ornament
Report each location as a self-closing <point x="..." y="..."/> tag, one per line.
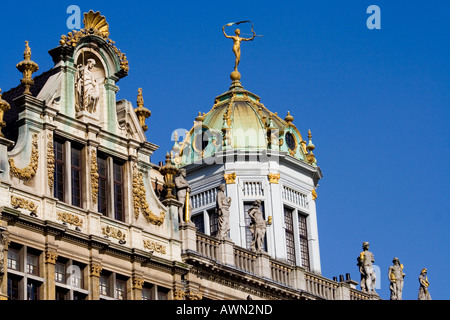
<point x="27" y="67"/>
<point x="4" y="106"/>
<point x="310" y="147"/>
<point x="141" y="112"/>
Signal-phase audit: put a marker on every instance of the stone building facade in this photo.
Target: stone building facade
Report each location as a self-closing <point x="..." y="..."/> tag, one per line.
<point x="81" y="215"/>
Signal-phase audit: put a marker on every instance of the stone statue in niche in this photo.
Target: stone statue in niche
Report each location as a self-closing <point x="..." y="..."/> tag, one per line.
<point x="365" y="264"/>
<point x="396" y="276"/>
<point x="87" y="90"/>
<point x="257" y="226"/>
<point x="223" y="212"/>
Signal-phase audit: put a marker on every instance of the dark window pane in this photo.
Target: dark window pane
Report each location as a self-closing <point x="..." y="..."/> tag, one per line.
<point x="32" y="290"/>
<point x="76" y="177"/>
<point x="13" y="287"/>
<point x="118" y="192"/>
<point x="213" y="222"/>
<point x="199" y="222"/>
<point x="102" y="186"/>
<point x="290" y="243"/>
<point x="290" y="140"/>
<point x="303" y="241"/>
<point x="58" y="179"/>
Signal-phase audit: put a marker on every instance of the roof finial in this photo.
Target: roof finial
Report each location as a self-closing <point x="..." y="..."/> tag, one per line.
<point x="289" y="118"/>
<point x="141" y="112"/>
<point x="27" y="67"/>
<point x="310" y="147"/>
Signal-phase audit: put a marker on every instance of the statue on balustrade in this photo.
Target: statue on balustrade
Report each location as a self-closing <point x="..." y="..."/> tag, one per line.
<point x="424" y="294"/>
<point x="396" y="276"/>
<point x="223" y="212"/>
<point x="365" y="264"/>
<point x="257" y="226"/>
<point x="183" y="191"/>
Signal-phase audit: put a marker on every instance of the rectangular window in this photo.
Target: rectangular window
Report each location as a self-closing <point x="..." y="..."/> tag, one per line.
<point x="13" y="259"/>
<point x="118" y="191"/>
<point x="147" y="292"/>
<point x="13" y="287"/>
<point x="76" y="176"/>
<point x="61" y="294"/>
<point x="33" y="290"/>
<point x="32" y="264"/>
<point x="303" y="231"/>
<point x="76" y="276"/>
<point x="58" y="183"/>
<point x="289" y="231"/>
<point x="199" y="222"/>
<point x="102" y="186"/>
<point x="213" y="222"/>
<point x="163" y="293"/>
<point x="60" y="272"/>
<point x="104" y="285"/>
<point x="121" y="289"/>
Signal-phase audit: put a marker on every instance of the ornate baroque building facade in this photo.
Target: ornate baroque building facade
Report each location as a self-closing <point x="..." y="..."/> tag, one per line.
<point x="81" y="212"/>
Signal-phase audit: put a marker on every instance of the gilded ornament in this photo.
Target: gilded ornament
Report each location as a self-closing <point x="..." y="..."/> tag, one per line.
<point x="138" y="282"/>
<point x="114" y="233"/>
<point x="29" y="171"/>
<point x="141" y="112"/>
<point x="154" y="246"/>
<point x="140" y="201"/>
<point x="230" y="178"/>
<point x="50" y="257"/>
<point x="94" y="176"/>
<point x="4" y="106"/>
<point x="69" y="218"/>
<point x="18" y="202"/>
<point x="50" y="160"/>
<point x="314" y="194"/>
<point x="95" y="270"/>
<point x="274" y="177"/>
<point x="27" y="67"/>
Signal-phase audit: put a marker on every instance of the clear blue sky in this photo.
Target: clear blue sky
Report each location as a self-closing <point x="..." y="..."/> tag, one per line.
<point x="376" y="101"/>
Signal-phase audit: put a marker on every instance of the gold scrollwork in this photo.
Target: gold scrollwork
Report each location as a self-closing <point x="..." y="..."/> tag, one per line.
<point x="69" y="218"/>
<point x="94" y="176"/>
<point x="29" y="171"/>
<point x="140" y="202"/>
<point x="18" y="202"/>
<point x="50" y="160"/>
<point x="154" y="246"/>
<point x="114" y="233"/>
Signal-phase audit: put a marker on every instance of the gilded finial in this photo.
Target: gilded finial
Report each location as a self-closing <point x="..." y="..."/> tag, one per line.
<point x="141" y="112"/>
<point x="4" y="106"/>
<point x="200" y="117"/>
<point x="310" y="147"/>
<point x="27" y="67"/>
<point x="289" y="118"/>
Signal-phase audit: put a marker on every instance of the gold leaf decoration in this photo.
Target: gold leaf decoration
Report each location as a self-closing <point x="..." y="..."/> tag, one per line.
<point x="94" y="176"/>
<point x="95" y="21"/>
<point x="29" y="171"/>
<point x="50" y="160"/>
<point x="140" y="202"/>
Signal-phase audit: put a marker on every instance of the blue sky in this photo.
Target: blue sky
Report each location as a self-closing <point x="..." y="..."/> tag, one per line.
<point x="376" y="101"/>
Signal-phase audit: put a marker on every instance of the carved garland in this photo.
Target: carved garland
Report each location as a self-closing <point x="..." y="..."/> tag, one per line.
<point x="69" y="218"/>
<point x="114" y="233"/>
<point x="94" y="176"/>
<point x="140" y="202"/>
<point x="29" y="171"/>
<point x="50" y="160"/>
<point x="18" y="202"/>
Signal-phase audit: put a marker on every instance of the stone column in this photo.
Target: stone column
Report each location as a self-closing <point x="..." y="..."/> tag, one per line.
<point x="136" y="287"/>
<point x="4" y="243"/>
<point x="49" y="273"/>
<point x="95" y="269"/>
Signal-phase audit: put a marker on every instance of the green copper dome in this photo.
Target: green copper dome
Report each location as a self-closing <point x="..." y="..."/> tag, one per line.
<point x="239" y="121"/>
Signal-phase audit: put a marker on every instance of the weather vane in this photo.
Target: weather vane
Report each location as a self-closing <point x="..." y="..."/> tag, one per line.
<point x="235" y="75"/>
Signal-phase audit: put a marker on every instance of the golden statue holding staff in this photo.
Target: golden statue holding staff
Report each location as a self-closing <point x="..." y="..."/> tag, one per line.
<point x="237" y="46"/>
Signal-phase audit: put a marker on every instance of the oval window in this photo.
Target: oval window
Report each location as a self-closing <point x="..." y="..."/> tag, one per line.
<point x="290" y="141"/>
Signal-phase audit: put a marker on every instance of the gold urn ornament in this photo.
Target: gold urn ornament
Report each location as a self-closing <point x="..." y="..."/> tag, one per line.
<point x="141" y="112"/>
<point x="27" y="67"/>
